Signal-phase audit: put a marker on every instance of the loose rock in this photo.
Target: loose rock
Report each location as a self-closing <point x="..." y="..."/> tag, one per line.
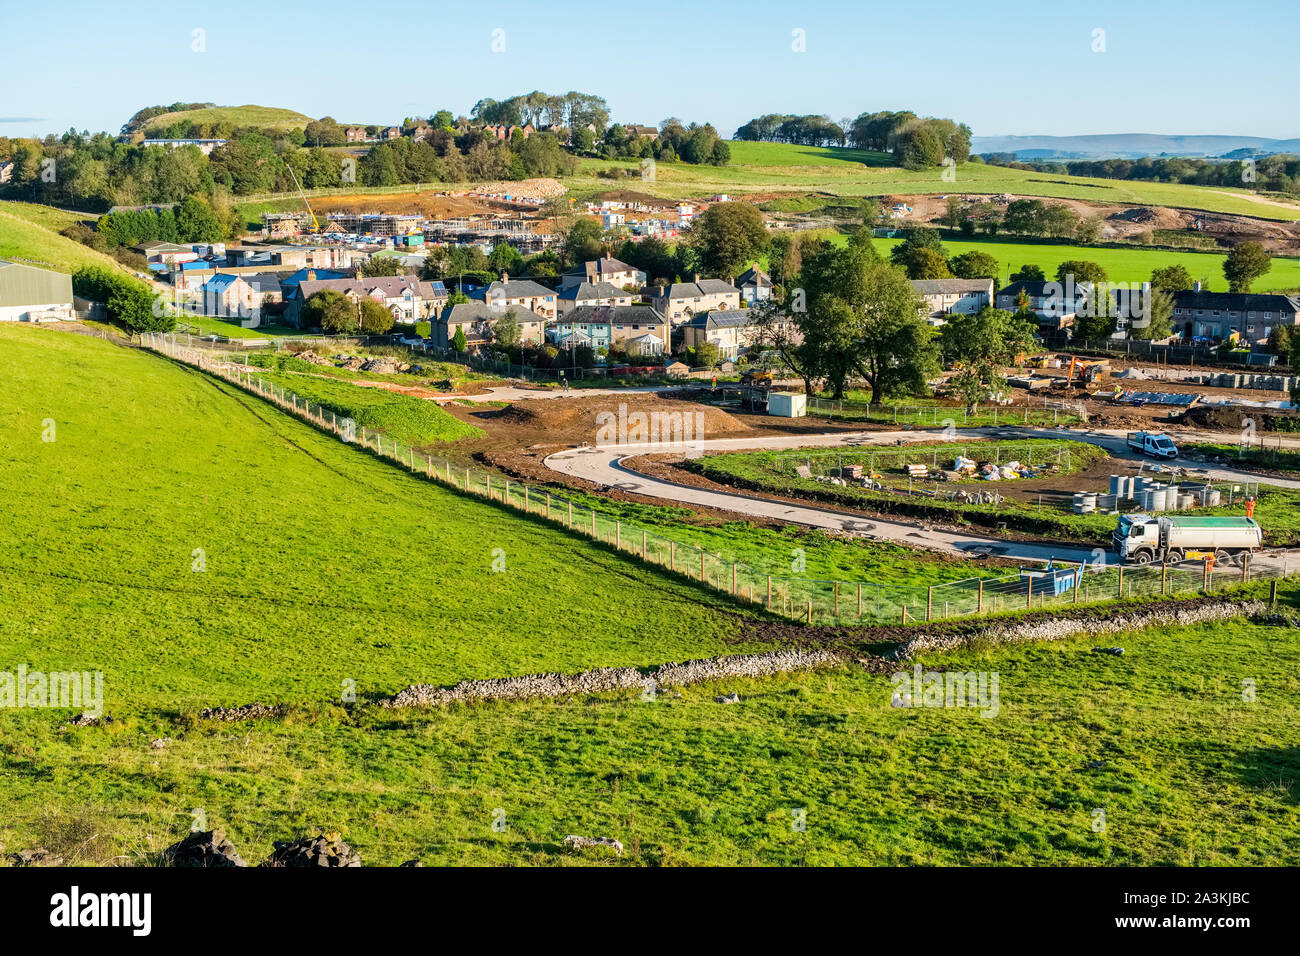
<point x="582" y="843"/>
<point x="324" y="850"/>
<point x="209" y="849"/>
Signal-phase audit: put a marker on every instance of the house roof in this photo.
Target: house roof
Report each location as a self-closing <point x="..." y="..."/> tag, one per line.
<point x="592" y="290"/>
<point x="754" y="276"/>
<point x="1237" y="301"/>
<point x="220" y="282"/>
<point x="616" y="315"/>
<point x="476" y="309"/>
<point x="517" y="288"/>
<point x="1035" y="289"/>
<point x="951" y="286"/>
<point x="689" y="290"/>
<point x="392" y="286"/>
<point x="263" y="281"/>
<point x="722" y="319"/>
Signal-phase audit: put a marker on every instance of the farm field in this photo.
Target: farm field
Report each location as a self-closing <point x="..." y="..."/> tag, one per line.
<point x="1160" y="740"/>
<point x="319" y="562"/>
<point x="780" y="167"/>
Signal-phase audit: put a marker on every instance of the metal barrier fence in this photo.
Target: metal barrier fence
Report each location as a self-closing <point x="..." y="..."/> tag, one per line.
<point x="812" y="601"/>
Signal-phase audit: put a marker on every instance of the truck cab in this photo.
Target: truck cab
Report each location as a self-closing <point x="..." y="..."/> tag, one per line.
<point x="1137" y="539"/>
<point x="1153" y="444"/>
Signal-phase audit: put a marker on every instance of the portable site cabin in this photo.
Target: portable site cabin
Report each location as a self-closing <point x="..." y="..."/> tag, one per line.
<point x="787" y="404"/>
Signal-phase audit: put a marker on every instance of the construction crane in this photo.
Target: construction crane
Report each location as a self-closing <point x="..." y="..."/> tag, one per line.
<point x="315" y="224"/>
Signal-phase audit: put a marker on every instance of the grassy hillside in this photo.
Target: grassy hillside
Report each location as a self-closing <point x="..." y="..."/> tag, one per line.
<point x="321" y="562"/>
<point x="30" y="232"/>
<point x="779" y="167"/>
<point x="266" y="117"/>
<point x="323" y="565"/>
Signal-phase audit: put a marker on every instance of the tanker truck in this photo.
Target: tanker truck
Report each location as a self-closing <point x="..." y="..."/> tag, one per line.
<point x="1141" y="539"/>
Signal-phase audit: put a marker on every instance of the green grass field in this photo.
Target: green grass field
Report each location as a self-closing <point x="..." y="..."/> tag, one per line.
<point x="779" y="167"/>
<point x="321" y="561"/>
<point x="264" y="117"/>
<point x="323" y="564"/>
<point x="30" y="232"/>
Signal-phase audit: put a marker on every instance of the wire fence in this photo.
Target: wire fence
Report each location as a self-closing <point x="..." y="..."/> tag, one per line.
<point x="795" y="597"/>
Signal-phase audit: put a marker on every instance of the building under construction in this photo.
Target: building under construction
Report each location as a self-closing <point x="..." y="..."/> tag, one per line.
<point x="489" y="230"/>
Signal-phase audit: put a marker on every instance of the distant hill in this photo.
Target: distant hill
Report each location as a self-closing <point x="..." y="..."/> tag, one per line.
<point x="267" y="117"/>
<point x="1129" y="145"/>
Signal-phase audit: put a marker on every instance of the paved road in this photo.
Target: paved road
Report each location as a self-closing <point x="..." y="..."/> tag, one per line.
<point x="607" y="466"/>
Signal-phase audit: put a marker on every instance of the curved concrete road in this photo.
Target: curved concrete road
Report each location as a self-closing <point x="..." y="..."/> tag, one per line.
<point x="606" y="465"/>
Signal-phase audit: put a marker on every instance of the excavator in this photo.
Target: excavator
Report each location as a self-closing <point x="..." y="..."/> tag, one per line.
<point x="1090" y="372"/>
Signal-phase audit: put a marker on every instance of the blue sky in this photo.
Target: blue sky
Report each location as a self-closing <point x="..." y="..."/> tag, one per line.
<point x="1003" y="68"/>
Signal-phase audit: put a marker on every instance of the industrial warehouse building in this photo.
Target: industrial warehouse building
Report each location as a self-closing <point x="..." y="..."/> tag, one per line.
<point x="29" y="294"/>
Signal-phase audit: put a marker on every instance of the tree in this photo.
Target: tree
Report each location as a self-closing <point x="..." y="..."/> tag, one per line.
<point x="1028" y="273"/>
<point x="974" y="265"/>
<point x="1281" y="340"/>
<point x="1088" y="229"/>
<point x="984" y="342"/>
<point x="893" y="349"/>
<point x="706" y="355"/>
<point x="506" y="332"/>
<point x="382" y="266"/>
<point x="728" y="236"/>
<point x="331" y="310"/>
<point x="1082" y="270"/>
<point x="910" y="252"/>
<point x="928" y="264"/>
<point x="196" y="222"/>
<point x="374" y="318"/>
<point x="583" y="241"/>
<point x="458" y="341"/>
<point x="1171" y="279"/>
<point x="1245" y="263"/>
<point x="1158" y="323"/>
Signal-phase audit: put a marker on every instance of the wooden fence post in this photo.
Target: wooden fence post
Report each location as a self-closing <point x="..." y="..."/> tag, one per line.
<point x="570" y="514"/>
<point x="769" y="592"/>
<point x="1121" y="582"/>
<point x="837" y="599"/>
<point x="618" y="535"/>
<point x="1030" y="599"/>
<point x="859" y="600"/>
<point x="810" y="611"/>
<point x="1245" y="567"/>
<point x="1164" y="577"/>
<point x="733" y="578"/>
<point x="929" y="601"/>
<point x="980" y="599"/>
<point x="643" y="537"/>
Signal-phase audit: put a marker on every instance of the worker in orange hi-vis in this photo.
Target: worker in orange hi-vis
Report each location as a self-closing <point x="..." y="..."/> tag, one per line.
<point x="1250" y="507"/>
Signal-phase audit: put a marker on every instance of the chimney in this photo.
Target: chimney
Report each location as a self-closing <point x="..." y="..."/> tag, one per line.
<point x="311" y="275"/>
<point x="1196" y="286"/>
<point x="697" y="277"/>
<point x="504" y="276"/>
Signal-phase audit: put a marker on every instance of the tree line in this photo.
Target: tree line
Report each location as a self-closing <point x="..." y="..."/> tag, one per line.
<point x="915" y="142"/>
